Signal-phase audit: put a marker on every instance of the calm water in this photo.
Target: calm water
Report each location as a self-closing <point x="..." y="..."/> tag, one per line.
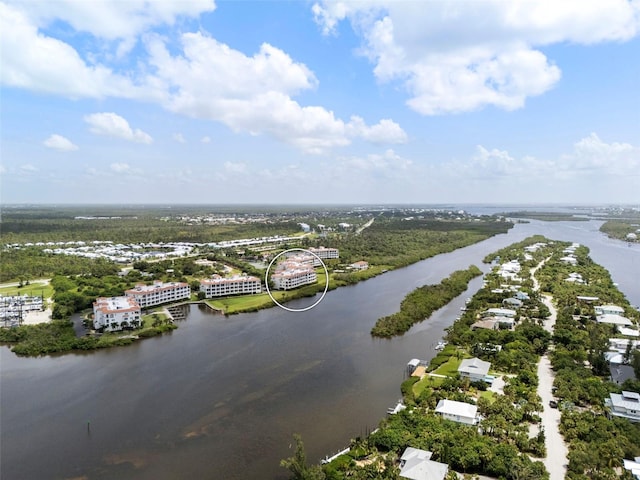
<point x="220" y="397"/>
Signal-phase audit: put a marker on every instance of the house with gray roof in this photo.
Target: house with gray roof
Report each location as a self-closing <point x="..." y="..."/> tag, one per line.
<point x="624" y="405"/>
<point x="474" y="369"/>
<point x="416" y="464"/>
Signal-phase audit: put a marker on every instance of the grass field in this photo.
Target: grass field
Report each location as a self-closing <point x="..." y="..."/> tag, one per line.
<point x="450" y="367"/>
<point x="426" y="382"/>
<point x="243" y="303"/>
<point x="34" y="290"/>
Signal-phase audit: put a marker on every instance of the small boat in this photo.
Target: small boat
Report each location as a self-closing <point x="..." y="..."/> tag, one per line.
<point x="440" y="346"/>
<point x="398" y="408"/>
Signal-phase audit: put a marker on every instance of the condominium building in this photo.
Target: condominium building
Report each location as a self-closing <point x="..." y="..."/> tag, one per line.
<point x="293" y="275"/>
<point x="218" y="286"/>
<point x="149" y="295"/>
<point x="115" y="313"/>
<point x="324" y="254"/>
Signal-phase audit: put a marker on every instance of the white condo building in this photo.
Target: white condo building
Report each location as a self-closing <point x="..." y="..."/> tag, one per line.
<point x="115" y="313"/>
<point x="293" y="278"/>
<point x="149" y="295"/>
<point x="218" y="286"/>
<point x="324" y="254"/>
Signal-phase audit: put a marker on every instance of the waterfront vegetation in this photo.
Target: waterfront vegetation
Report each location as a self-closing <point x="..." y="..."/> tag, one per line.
<point x="549" y="216"/>
<point x="503" y="447"/>
<point x="620" y="229"/>
<point x="423" y="301"/>
<point x="58" y="336"/>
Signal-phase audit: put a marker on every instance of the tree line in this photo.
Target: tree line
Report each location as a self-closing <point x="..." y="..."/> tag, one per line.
<point x="423" y="301"/>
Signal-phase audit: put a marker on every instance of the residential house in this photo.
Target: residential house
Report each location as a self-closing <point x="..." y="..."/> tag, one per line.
<point x="633" y="466"/>
<point x="621" y="373"/>
<point x="614" y="319"/>
<point x="500" y="312"/>
<point x="458" y="411"/>
<point x="361" y="265"/>
<point x="512" y="302"/>
<point x="488" y="324"/>
<point x="624" y="405"/>
<point x="416" y="464"/>
<point x="474" y="369"/>
<point x="608" y="310"/>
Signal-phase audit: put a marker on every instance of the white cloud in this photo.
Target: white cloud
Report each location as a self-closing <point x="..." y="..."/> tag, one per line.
<point x="386" y="131"/>
<point x="28" y="168"/>
<point x="178" y="137"/>
<point x="235" y="167"/>
<point x="389" y="162"/>
<point x="58" y="142"/>
<point x="205" y="139"/>
<point x="253" y="94"/>
<point x="590" y="158"/>
<point x="120" y="167"/>
<point x="203" y="79"/>
<point x="37" y="62"/>
<point x="114" y="19"/>
<point x="451" y="62"/>
<point x="113" y="125"/>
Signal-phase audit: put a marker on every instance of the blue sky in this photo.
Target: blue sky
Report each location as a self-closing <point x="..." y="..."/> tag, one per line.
<point x="180" y="101"/>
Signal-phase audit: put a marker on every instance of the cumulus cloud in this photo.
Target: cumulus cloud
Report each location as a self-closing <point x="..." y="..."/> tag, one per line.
<point x="450" y="62"/>
<point x="113" y="125"/>
<point x="37" y="62"/>
<point x="178" y="137"/>
<point x="253" y="94"/>
<point x="58" y="142"/>
<point x="590" y="156"/>
<point x="199" y="77"/>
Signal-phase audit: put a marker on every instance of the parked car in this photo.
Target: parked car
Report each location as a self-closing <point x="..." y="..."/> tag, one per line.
<point x="553" y="404"/>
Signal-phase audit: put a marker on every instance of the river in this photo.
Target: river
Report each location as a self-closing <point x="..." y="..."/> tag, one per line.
<point x="220" y="397"/>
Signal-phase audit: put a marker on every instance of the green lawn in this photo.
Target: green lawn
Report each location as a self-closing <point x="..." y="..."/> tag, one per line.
<point x="247" y="302"/>
<point x="450" y="367"/>
<point x="147" y="320"/>
<point x="34" y="290"/>
<point x="426" y="382"/>
<point x="491" y="396"/>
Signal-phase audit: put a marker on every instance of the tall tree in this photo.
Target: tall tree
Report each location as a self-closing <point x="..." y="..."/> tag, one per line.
<point x="297" y="464"/>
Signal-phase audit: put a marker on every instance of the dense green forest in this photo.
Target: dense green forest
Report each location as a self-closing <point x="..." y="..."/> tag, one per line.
<point x="390" y="241"/>
<point x="423" y="301"/>
<point x="397" y="243"/>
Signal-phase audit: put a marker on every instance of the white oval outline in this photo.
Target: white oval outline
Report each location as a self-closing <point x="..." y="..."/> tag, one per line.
<point x="266" y="280"/>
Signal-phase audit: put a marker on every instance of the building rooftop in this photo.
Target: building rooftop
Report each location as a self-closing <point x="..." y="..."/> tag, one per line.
<point x="474" y="366"/>
<point x="461" y="409"/>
